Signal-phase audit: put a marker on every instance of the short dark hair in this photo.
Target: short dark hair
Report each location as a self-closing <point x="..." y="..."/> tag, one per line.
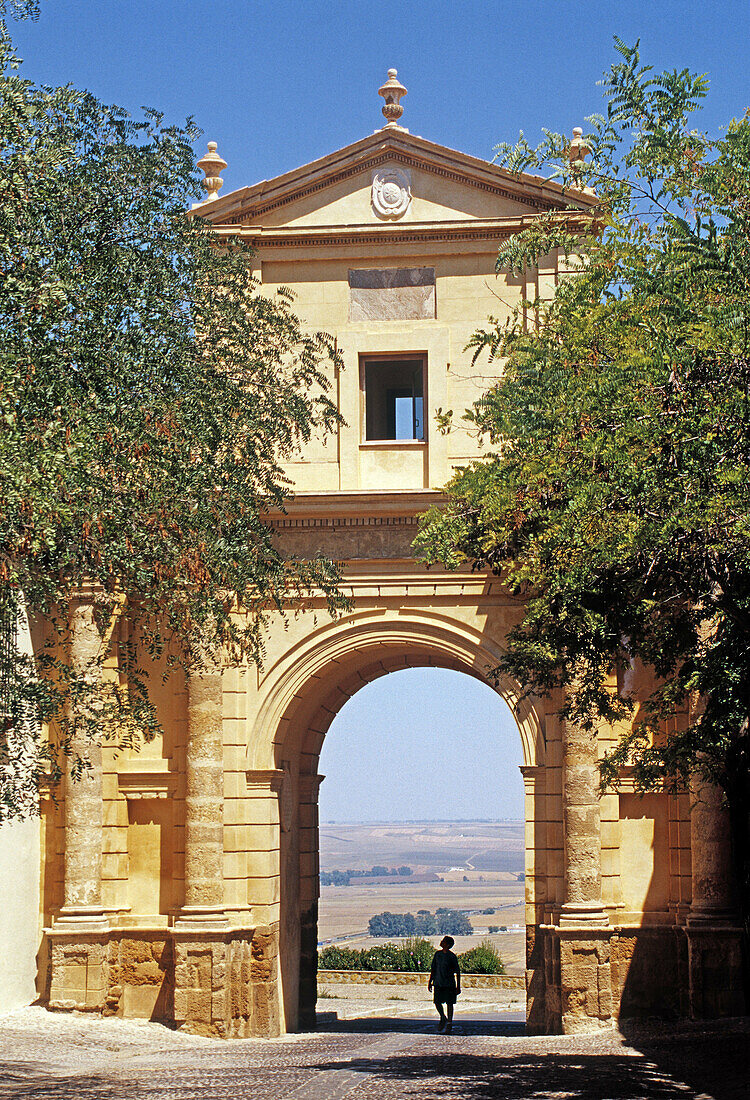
<point x="447" y="941"/>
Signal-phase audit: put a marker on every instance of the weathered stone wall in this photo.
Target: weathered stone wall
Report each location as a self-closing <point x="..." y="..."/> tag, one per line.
<point x="389" y="977"/>
<point x="208" y="984"/>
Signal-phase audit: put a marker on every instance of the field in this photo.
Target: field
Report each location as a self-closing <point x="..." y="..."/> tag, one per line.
<point x="479" y="864"/>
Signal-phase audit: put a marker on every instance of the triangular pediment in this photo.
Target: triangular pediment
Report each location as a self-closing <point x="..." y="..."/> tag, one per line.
<point x="437" y="184"/>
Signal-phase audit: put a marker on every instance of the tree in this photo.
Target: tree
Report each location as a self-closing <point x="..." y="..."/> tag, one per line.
<point x="148" y="394"/>
<point x="392" y="924"/>
<point x="615" y="500"/>
<point x="424" y="923"/>
<point x="452" y="922"/>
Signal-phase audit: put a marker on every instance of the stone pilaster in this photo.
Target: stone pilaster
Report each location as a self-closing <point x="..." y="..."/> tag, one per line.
<point x="270" y="810"/>
<point x="712" y="900"/>
<point x="582" y="903"/>
<point x="713" y="927"/>
<point x="77" y="942"/>
<point x="82" y="883"/>
<point x="309" y="894"/>
<point x="204" y="800"/>
<point x="584" y="932"/>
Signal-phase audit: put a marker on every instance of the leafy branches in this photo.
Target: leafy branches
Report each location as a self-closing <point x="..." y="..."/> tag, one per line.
<point x="615" y="500"/>
<point x="149" y="394"/>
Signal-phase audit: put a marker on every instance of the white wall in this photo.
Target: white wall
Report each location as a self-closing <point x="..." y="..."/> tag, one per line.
<point x="19" y="912"/>
<point x="20" y="865"/>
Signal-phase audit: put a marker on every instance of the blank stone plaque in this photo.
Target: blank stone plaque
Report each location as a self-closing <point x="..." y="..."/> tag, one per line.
<point x="392" y="294"/>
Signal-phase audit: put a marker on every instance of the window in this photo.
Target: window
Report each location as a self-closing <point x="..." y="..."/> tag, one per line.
<point x="394" y="398"/>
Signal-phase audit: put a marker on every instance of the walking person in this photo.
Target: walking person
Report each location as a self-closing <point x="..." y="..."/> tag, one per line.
<point x="445" y="980"/>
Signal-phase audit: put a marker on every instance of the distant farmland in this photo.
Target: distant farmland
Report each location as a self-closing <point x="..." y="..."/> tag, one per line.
<point x="478" y="867"/>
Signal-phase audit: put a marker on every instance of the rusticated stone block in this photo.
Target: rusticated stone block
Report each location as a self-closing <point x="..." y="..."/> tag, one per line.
<point x="265" y="949"/>
<point x="715" y="972"/>
<point x="585" y="980"/>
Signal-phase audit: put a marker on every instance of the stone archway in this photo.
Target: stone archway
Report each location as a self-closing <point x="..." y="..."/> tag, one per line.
<point x="308" y="693"/>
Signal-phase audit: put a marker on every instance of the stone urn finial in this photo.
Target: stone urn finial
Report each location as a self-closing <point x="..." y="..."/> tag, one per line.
<point x="212" y="166"/>
<point x="578" y="149"/>
<point x="392" y="91"/>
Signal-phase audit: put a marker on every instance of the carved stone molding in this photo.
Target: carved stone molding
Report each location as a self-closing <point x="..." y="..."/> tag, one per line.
<point x="310" y="522"/>
<point x="309" y="786"/>
<point x="391" y="192"/>
<point x="401" y="158"/>
<point x="264" y="780"/>
<point x="146" y="783"/>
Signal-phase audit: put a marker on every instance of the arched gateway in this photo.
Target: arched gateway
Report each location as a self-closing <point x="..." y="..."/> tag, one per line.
<point x="181" y="883"/>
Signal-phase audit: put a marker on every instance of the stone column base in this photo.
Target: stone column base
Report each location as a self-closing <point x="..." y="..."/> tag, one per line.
<point x="715" y="970"/>
<point x="79" y="972"/>
<point x="220" y="982"/>
<point x="585" y="979"/>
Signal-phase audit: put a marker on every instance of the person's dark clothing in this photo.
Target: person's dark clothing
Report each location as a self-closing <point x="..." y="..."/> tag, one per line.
<point x="443" y="974"/>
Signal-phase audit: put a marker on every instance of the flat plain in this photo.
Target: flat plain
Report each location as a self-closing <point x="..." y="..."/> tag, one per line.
<point x="480" y="865"/>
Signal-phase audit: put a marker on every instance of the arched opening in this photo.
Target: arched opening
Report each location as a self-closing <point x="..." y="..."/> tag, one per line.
<point x="305" y="693"/>
<point x="421" y="810"/>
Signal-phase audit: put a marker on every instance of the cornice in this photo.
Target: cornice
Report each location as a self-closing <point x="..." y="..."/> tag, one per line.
<point x="391" y="146"/>
<point x="146" y="779"/>
<point x="465" y="229"/>
<point x="355" y="508"/>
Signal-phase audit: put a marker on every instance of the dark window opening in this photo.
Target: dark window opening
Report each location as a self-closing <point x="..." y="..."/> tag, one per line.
<point x="394" y="399"/>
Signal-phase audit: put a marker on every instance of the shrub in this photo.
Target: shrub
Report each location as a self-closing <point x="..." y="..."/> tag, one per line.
<point x="383" y="957"/>
<point x="410" y="956"/>
<point x="493" y="928"/>
<point x="421" y="951"/>
<point x="341" y="958"/>
<point x="483" y="959"/>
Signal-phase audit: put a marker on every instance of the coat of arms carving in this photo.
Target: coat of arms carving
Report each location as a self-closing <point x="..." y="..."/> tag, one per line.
<point x="391" y="192"/>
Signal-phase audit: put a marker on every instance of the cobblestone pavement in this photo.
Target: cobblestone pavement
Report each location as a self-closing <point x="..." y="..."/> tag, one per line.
<point x="47" y="1056"/>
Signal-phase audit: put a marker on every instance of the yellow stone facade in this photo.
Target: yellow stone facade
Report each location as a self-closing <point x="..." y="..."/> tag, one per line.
<point x="181" y="882"/>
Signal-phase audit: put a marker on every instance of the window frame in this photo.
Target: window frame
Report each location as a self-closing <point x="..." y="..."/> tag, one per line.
<point x="417" y="357"/>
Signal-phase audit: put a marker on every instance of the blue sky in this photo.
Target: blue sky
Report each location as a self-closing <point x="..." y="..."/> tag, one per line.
<point x="277" y="84"/>
<point x="419" y="744"/>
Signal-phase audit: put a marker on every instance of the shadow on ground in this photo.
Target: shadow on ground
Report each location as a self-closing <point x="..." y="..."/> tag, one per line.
<point x="521" y="1076"/>
<point x="491" y="1025"/>
<point x="711" y="1056"/>
<point x="687" y="1059"/>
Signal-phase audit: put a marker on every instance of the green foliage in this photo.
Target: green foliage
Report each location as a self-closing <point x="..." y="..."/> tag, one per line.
<point x="452" y="922"/>
<point x="392" y="924"/>
<point x="341" y="958"/>
<point x="148" y="396"/>
<point x="482" y="959"/>
<point x="411" y="955"/>
<point x="445" y="922"/>
<point x="615" y="502"/>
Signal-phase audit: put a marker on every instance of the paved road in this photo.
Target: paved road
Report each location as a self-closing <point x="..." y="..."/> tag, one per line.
<point x="56" y="1057"/>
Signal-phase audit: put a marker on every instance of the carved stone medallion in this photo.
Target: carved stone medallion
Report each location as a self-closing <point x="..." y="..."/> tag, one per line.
<point x="391" y="192"/>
